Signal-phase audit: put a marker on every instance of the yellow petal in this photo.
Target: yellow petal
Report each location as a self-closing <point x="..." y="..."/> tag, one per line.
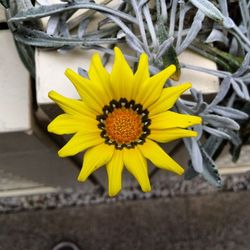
<point x="70" y="124"/>
<point x="121" y="77"/>
<point x="151" y="89"/>
<point x="95" y="158"/>
<point x="99" y="75"/>
<point x="114" y="170"/>
<point x="137" y="166"/>
<point x="171" y="134"/>
<point x="71" y="106"/>
<point x="79" y="142"/>
<point x="171" y="119"/>
<point x="168" y="98"/>
<point x="159" y="157"/>
<point x="89" y="91"/>
<point x="141" y="75"/>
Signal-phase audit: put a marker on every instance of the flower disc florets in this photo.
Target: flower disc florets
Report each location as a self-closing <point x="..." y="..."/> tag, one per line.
<point x="124" y="123"/>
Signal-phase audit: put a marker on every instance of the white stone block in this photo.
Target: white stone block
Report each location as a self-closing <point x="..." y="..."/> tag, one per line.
<point x="203" y="82"/>
<point x="227" y="166"/>
<point x="2" y="14"/>
<point x="15" y="112"/>
<point x="51" y="66"/>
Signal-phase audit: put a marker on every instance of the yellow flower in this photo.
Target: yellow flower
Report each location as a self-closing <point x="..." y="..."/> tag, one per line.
<point x="119" y="118"/>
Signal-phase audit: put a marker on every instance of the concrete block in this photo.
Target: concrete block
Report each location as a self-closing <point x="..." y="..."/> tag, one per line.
<point x="227" y="166"/>
<point x="49" y="78"/>
<point x="15" y="114"/>
<point x="203" y="82"/>
<point x="2" y="14"/>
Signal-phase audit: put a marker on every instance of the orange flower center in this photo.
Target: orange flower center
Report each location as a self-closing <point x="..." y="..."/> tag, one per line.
<point x="124" y="125"/>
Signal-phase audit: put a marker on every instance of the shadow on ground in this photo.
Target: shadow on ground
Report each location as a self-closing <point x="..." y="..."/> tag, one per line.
<point x="216" y="221"/>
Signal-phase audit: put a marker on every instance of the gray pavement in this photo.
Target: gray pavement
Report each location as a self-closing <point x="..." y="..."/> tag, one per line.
<point x="214" y="221"/>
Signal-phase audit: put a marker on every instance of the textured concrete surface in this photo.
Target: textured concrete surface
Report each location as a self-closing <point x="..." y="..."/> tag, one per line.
<point x="26" y="161"/>
<point x="216" y="221"/>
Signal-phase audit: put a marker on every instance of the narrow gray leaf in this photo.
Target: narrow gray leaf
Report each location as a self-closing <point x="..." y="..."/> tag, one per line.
<point x="211" y="11"/>
<point x="216" y="132"/>
<point x="224" y="87"/>
<point x="150" y="25"/>
<point x="235" y="137"/>
<point x="195" y="154"/>
<point x="43" y="11"/>
<point x="234" y="47"/>
<point x="82" y="28"/>
<point x="238" y="90"/>
<point x="131" y="37"/>
<point x="224" y="7"/>
<point x="244" y="89"/>
<point x="164" y="47"/>
<point x="218" y="73"/>
<point x="220" y="122"/>
<point x="53" y="24"/>
<point x="210" y="171"/>
<point x="193" y="31"/>
<point x="217" y="36"/>
<point x="212" y="144"/>
<point x="230" y="112"/>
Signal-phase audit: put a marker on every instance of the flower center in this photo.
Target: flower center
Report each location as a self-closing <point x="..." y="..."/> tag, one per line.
<point x="124" y="123"/>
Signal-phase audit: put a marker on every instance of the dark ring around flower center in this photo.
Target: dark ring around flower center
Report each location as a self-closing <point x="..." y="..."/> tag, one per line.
<point x="124" y="104"/>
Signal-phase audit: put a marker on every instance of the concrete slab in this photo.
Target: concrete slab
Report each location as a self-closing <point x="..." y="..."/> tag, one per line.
<point x="19" y="142"/>
<point x="27" y="163"/>
<point x="219" y="221"/>
<point x="216" y="221"/>
<point x="44" y="167"/>
<point x="132" y="225"/>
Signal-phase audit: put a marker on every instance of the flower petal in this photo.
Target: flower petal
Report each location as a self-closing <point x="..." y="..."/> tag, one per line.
<point x="71" y="106"/>
<point x="121" y="77"/>
<point x="95" y="158"/>
<point x="171" y="134"/>
<point x="168" y="98"/>
<point x="79" y="142"/>
<point x="89" y="91"/>
<point x="70" y="124"/>
<point x="114" y="170"/>
<point x="159" y="157"/>
<point x="151" y="89"/>
<point x="137" y="166"/>
<point x="99" y="75"/>
<point x="171" y="119"/>
<point x="141" y="75"/>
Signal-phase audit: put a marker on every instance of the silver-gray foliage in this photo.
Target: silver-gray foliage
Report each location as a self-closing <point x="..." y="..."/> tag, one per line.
<point x="163" y="29"/>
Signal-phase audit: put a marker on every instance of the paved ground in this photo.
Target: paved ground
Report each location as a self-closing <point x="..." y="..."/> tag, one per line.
<point x="215" y="221"/>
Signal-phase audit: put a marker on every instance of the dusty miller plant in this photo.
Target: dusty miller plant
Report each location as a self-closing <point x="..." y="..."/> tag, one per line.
<point x="218" y="30"/>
